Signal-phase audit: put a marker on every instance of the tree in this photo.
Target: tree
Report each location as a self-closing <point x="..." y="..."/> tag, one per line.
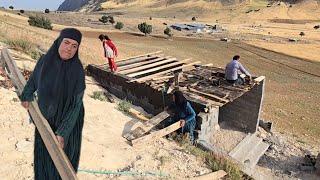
<point x="302" y="34"/>
<point x="11" y="7"/>
<point x="104" y="19"/>
<point x="167" y="32"/>
<point x="194" y="19"/>
<point x="40" y="21"/>
<point x="111" y="20"/>
<point x="145" y="28"/>
<point x="21" y="11"/>
<point x="119" y="25"/>
<point x="47" y="11"/>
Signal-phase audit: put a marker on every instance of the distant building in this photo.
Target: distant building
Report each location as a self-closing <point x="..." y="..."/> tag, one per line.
<point x="196" y="27"/>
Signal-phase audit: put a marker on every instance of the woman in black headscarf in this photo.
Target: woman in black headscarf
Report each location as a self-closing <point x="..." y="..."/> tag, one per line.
<point x="59" y="80"/>
<point x="184" y="113"/>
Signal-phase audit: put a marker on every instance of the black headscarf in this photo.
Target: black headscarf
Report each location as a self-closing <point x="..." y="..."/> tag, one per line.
<point x="60" y="79"/>
<point x="180" y="100"/>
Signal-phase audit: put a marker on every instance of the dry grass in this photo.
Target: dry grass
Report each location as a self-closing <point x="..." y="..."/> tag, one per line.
<point x="214" y="161"/>
<point x="15" y="29"/>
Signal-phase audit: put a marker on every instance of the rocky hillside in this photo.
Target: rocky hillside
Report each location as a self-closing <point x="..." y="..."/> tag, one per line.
<point x="78" y="5"/>
<point x="93" y="5"/>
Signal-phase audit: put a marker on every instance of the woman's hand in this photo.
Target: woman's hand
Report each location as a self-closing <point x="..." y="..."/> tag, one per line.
<point x="25" y="104"/>
<point x="60" y="141"/>
<point x="182" y="122"/>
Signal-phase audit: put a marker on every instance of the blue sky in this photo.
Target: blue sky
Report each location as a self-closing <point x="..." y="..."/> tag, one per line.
<point x="31" y="4"/>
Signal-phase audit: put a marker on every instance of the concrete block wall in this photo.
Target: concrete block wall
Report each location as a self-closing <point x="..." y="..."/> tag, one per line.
<point x="244" y="112"/>
<point x="139" y="94"/>
<point x="209" y="124"/>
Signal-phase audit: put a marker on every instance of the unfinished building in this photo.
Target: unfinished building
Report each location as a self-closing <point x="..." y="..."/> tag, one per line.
<point x="227" y="116"/>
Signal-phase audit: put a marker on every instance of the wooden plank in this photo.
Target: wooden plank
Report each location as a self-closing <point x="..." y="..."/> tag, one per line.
<point x="259" y="79"/>
<point x="233" y="88"/>
<point x="142" y="79"/>
<point x="57" y="154"/>
<point x="163" y="77"/>
<point x="129" y="62"/>
<point x="211" y="176"/>
<point x="201" y="100"/>
<point x="146" y="126"/>
<point x="150" y="60"/>
<point x="209" y="95"/>
<point x="159" y="68"/>
<point x="148" y="66"/>
<point x="157" y="134"/>
<point x="138" y="114"/>
<point x="135" y="59"/>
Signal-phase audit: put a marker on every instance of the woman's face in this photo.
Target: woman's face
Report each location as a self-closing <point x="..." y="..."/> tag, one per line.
<point x="68" y="48"/>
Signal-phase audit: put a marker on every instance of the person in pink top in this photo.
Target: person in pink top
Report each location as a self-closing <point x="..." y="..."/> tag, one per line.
<point x="110" y="51"/>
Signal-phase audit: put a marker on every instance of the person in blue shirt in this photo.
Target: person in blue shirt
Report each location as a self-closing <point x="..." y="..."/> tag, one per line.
<point x="232" y="69"/>
<point x="184" y="113"/>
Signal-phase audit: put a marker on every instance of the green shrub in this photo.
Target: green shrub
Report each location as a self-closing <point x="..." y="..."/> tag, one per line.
<point x="19" y="44"/>
<point x="124" y="106"/>
<point x="47" y="11"/>
<point x="21" y="11"/>
<point x="119" y="25"/>
<point x="99" y="95"/>
<point x="104" y="19"/>
<point x="167" y="32"/>
<point x="34" y="54"/>
<point x="213" y="161"/>
<point x="111" y="20"/>
<point x="40" y="21"/>
<point x="145" y="28"/>
<point x="24" y="46"/>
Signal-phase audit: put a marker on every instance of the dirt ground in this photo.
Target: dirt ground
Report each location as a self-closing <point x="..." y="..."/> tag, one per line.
<point x="103" y="150"/>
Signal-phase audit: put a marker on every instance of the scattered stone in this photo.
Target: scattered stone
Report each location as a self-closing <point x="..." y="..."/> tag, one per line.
<point x="225" y="39"/>
<point x="316" y="27"/>
<point x="138" y="157"/>
<point x="293" y="40"/>
<point x="24" y="146"/>
<point x="15" y="99"/>
<point x="262" y="133"/>
<point x="267" y="126"/>
<point x="266" y="39"/>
